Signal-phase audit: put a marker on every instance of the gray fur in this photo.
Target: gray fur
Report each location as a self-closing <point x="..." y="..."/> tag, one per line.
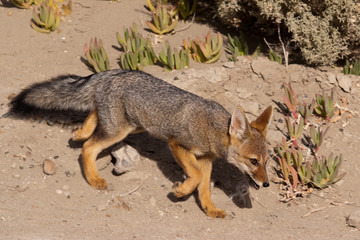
<point x="134" y="98"/>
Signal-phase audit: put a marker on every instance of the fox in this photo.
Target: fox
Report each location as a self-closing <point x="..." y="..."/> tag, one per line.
<point x="121" y="102"/>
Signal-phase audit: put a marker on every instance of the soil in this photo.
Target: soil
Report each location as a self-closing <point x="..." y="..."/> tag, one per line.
<point x="139" y="203"/>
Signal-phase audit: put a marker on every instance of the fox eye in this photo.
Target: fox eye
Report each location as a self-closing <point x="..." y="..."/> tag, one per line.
<point x="254" y="161"/>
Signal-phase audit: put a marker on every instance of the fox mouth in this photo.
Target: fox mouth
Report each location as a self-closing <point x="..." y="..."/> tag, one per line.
<point x="253" y="184"/>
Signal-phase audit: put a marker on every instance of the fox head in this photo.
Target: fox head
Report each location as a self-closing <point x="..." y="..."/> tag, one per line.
<point x="247" y="149"/>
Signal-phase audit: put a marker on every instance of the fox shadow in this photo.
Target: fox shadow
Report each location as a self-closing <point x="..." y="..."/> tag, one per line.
<point x="226" y="176"/>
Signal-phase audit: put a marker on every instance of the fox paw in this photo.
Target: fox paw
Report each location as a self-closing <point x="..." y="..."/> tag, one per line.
<point x="98" y="183"/>
<point x="176" y="191"/>
<point x="216" y="213"/>
<point x="77" y="136"/>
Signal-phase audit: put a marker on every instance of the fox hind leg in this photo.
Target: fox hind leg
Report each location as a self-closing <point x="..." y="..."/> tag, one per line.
<point x="93" y="147"/>
<point x="87" y="128"/>
<point x="188" y="162"/>
<point x="207" y="204"/>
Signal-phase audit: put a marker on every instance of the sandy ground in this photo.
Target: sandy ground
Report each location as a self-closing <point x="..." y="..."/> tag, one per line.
<point x="139" y="204"/>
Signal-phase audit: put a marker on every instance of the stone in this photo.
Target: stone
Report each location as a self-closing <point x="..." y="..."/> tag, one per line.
<point x="243" y="93"/>
<point x="353" y="220"/>
<point x="331" y="77"/>
<point x="344" y="82"/>
<point x="229" y="65"/>
<point x="126" y="157"/>
<point x="49" y="167"/>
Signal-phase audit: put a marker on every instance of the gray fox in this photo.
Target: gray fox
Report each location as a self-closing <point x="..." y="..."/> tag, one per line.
<point x="123" y="102"/>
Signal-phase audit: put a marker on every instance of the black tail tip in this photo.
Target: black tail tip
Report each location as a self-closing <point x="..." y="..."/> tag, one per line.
<point x="266" y="184"/>
<point x="8" y="114"/>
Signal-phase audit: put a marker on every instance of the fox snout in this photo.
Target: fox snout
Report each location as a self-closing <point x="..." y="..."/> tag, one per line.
<point x="259" y="176"/>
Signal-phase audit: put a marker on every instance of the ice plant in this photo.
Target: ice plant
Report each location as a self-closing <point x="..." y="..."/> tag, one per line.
<point x="317" y="136"/>
<point x="26" y="3"/>
<point x="275" y="57"/>
<point x="205" y="51"/>
<point x="290" y="99"/>
<point x="163" y="20"/>
<point x="173" y="59"/>
<point x="186" y="9"/>
<point x="138" y="51"/>
<point x="324" y="105"/>
<point x="96" y="55"/>
<point x="325" y="171"/>
<point x="353" y="68"/>
<point x="47" y="19"/>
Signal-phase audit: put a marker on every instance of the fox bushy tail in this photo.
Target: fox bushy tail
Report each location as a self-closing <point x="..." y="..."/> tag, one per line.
<point x="63" y="93"/>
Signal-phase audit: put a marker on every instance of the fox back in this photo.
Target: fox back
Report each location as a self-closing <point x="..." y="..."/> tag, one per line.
<point x="165" y="111"/>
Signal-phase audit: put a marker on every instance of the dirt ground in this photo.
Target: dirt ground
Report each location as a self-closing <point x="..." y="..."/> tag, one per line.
<point x="139" y="204"/>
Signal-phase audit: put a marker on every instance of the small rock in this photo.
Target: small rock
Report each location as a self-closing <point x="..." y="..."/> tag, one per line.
<point x="229" y="64"/>
<point x="353" y="220"/>
<point x="59" y="191"/>
<point x="126" y="157"/>
<point x="67" y="194"/>
<point x="331" y="77"/>
<point x="344" y="82"/>
<point x="49" y="167"/>
<point x="101" y="207"/>
<point x="243" y="93"/>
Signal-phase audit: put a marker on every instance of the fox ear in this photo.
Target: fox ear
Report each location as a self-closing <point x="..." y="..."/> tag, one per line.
<point x="239" y="126"/>
<point x="262" y="123"/>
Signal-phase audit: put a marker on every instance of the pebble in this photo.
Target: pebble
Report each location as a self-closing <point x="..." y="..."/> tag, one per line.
<point x="353" y="220"/>
<point x="126" y="157"/>
<point x="49" y="167"/>
<point x="59" y="191"/>
<point x="344" y="82"/>
<point x="331" y="77"/>
<point x="229" y="65"/>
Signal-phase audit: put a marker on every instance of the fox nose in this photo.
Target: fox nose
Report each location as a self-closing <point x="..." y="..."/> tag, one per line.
<point x="266" y="184"/>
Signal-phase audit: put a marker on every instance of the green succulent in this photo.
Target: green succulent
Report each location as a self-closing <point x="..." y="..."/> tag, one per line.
<point x="163" y="20"/>
<point x="47" y="19"/>
<point x="96" y="55"/>
<point x="207" y="51"/>
<point x="173" y="60"/>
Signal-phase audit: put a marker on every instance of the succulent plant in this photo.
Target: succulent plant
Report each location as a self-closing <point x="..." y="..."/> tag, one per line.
<point x="136" y="60"/>
<point x="317" y="136"/>
<point x="306" y="111"/>
<point x="289" y="160"/>
<point x="185" y="9"/>
<point x="207" y="51"/>
<point x="290" y="99"/>
<point x="48" y="18"/>
<point x="294" y="130"/>
<point x="238" y="47"/>
<point x="152" y="7"/>
<point x="163" y="19"/>
<point x="353" y="68"/>
<point x="132" y="41"/>
<point x="22" y="3"/>
<point x="138" y="51"/>
<point x="325" y="171"/>
<point x="324" y="105"/>
<point x="96" y="55"/>
<point x="275" y="57"/>
<point x="173" y="60"/>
